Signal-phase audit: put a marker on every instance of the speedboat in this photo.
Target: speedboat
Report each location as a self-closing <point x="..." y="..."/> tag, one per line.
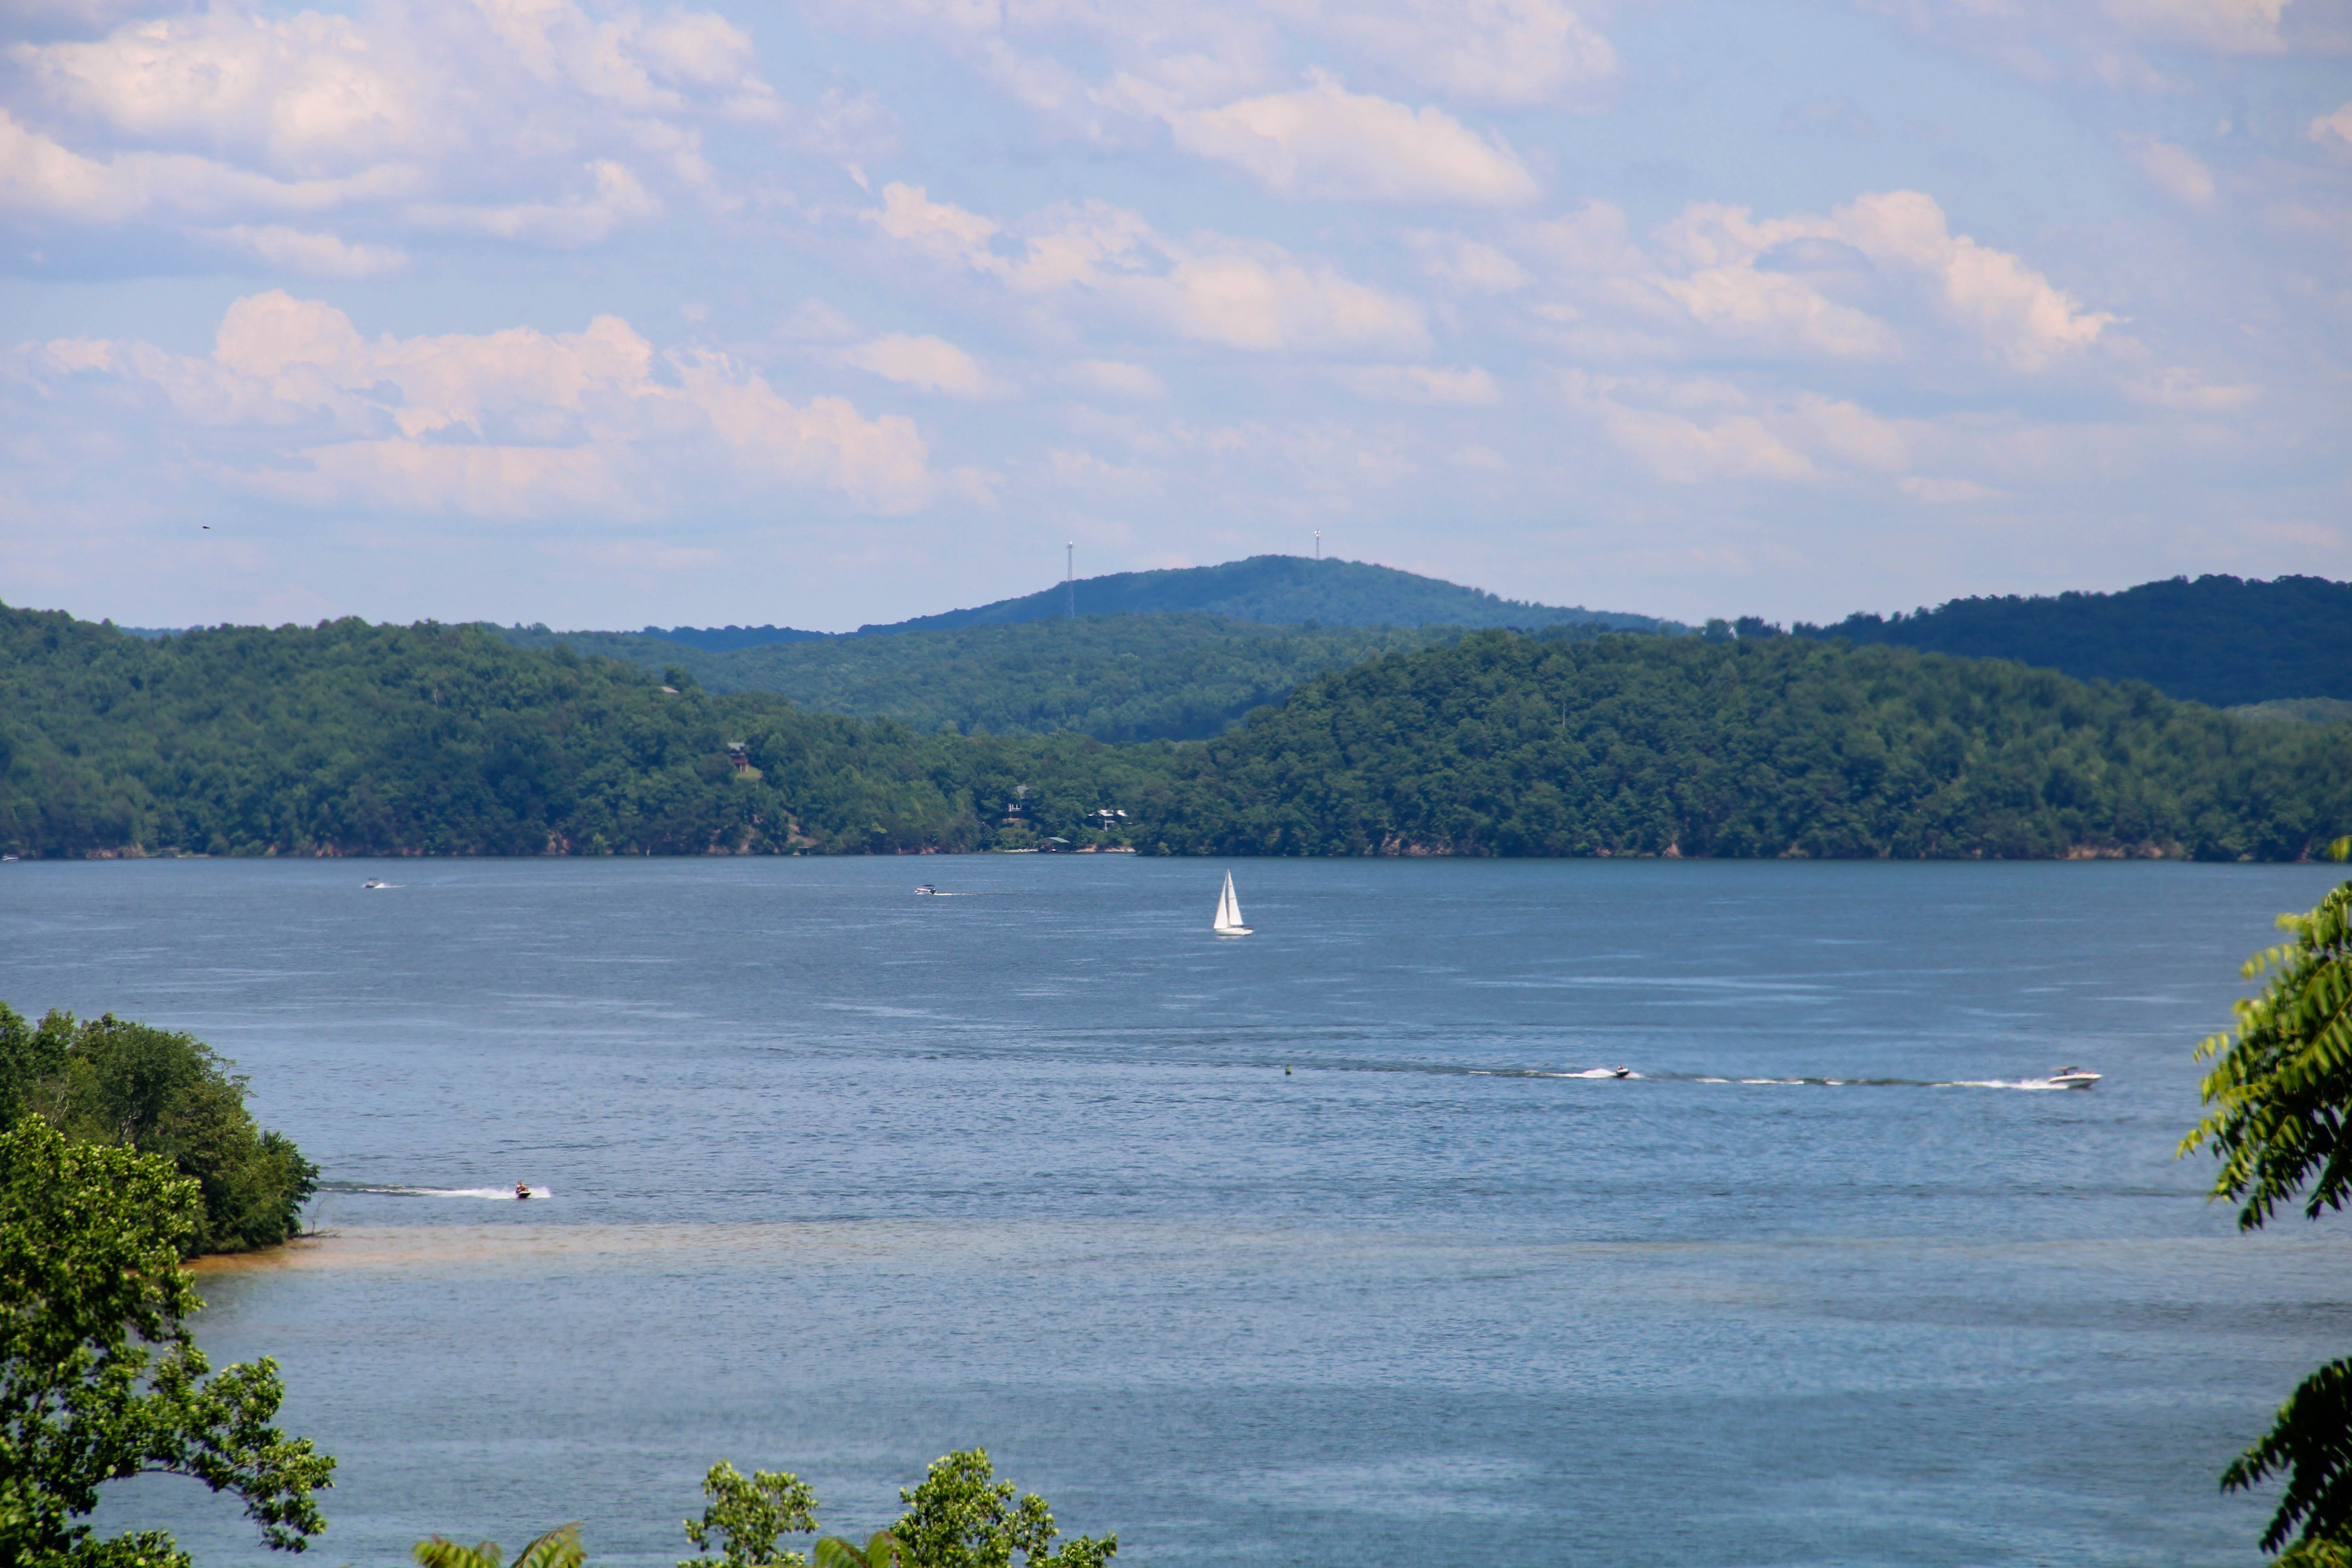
<point x="927" y="889"/>
<point x="2072" y="1078"/>
<point x="373" y="884"/>
<point x="1621" y="1072"/>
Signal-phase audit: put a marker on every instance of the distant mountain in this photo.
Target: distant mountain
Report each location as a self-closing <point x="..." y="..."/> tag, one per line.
<point x="1280" y="590"/>
<point x="2220" y="640"/>
<point x="1271" y="590"/>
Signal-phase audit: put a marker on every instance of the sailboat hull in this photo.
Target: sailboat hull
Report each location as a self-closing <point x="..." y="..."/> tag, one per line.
<point x="1232" y="930"/>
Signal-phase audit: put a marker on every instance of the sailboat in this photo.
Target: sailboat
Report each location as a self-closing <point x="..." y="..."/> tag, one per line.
<point x="1229" y="912"/>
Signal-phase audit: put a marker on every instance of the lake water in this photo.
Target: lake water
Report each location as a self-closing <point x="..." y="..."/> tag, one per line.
<point x="841" y="1178"/>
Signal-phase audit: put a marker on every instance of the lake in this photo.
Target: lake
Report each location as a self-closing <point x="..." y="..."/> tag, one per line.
<point x="839" y="1178"/>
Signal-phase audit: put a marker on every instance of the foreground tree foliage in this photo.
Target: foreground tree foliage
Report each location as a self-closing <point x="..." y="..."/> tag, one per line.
<point x="2282" y="1087"/>
<point x="351" y="739"/>
<point x="99" y="1379"/>
<point x="105" y="1081"/>
<point x="959" y="1516"/>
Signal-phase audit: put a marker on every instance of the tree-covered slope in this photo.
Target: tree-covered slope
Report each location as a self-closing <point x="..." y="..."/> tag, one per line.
<point x="347" y="737"/>
<point x="1509" y="746"/>
<point x="350" y="739"/>
<point x="2220" y="640"/>
<point x="1114" y="677"/>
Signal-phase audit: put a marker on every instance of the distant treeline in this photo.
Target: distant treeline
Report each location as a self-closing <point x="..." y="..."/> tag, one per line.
<point x="2219" y="640"/>
<point x="1117" y="678"/>
<point x="352" y="739"/>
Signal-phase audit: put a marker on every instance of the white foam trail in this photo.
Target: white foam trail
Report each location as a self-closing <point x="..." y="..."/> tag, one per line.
<point x="2029" y="1085"/>
<point x="484" y="1193"/>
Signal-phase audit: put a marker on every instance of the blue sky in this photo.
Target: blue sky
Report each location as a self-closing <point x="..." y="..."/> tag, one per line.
<point x="820" y="314"/>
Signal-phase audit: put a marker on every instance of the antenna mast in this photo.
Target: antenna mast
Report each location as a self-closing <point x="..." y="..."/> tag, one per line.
<point x="1318" y="544"/>
<point x="1070" y="576"/>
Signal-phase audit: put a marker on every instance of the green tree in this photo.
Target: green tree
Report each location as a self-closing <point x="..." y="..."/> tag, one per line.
<point x="106" y="1080"/>
<point x="2282" y="1087"/>
<point x="961" y="1516"/>
<point x="744" y="1518"/>
<point x="100" y="1378"/>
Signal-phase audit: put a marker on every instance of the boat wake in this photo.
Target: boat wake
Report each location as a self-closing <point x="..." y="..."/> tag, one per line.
<point x="493" y="1194"/>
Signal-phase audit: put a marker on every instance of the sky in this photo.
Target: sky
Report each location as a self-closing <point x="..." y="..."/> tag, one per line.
<point x="820" y="312"/>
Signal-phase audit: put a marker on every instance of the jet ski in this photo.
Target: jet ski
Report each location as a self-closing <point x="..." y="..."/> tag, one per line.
<point x="1621" y="1072"/>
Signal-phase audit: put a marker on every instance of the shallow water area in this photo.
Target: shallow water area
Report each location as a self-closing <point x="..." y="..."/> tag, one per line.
<point x="837" y="1177"/>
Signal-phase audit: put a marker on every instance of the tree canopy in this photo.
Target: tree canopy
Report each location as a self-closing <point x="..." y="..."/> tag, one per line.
<point x="2282" y="1089"/>
<point x="99" y="1379"/>
<point x="2218" y="639"/>
<point x="106" y="1080"/>
<point x="351" y="739"/>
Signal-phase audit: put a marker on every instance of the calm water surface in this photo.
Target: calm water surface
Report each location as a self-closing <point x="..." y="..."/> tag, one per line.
<point x="841" y="1178"/>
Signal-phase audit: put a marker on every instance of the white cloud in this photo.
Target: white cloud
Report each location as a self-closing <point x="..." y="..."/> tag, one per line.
<point x="1512" y="52"/>
<point x="512" y="424"/>
<point x="2225" y="27"/>
<point x="1327" y="142"/>
<point x="312" y="255"/>
<point x="2336" y="127"/>
<point x="1116" y="377"/>
<point x="1870" y="281"/>
<point x="1208" y="288"/>
<point x="934" y="365"/>
<point x="1466" y="263"/>
<point x="1428" y="385"/>
<point x="2174" y="169"/>
<point x="534" y="122"/>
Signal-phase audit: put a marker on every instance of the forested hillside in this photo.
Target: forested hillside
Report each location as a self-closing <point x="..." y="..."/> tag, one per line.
<point x="347" y="738"/>
<point x="2220" y="640"/>
<point x="1115" y="678"/>
<point x="1763" y="747"/>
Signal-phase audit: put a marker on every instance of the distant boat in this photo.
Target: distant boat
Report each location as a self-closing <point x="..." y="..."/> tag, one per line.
<point x="926" y="888"/>
<point x="1229" y="912"/>
<point x="374" y="884"/>
<point x="2072" y="1078"/>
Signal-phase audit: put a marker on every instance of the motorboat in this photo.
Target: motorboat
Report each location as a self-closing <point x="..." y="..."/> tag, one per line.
<point x="374" y="886"/>
<point x="1229" y="912"/>
<point x="928" y="891"/>
<point x="2072" y="1078"/>
<point x="1621" y="1072"/>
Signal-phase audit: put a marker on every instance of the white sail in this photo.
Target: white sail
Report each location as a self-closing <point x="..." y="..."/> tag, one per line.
<point x="1229" y="912"/>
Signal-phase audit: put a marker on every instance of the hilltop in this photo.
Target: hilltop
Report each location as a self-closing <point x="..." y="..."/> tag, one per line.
<point x="1270" y="590"/>
<point x="2219" y="640"/>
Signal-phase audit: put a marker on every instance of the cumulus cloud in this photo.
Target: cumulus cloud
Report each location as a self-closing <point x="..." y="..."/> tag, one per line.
<point x="932" y="365"/>
<point x="1327" y="142"/>
<point x="546" y="123"/>
<point x="1211" y="289"/>
<point x="297" y="406"/>
<point x="1866" y="282"/>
